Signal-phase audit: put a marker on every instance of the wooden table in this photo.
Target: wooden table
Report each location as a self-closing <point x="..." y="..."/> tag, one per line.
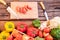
<point x="52" y="8"/>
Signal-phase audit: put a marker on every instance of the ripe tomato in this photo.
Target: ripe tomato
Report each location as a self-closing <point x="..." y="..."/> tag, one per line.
<point x="10" y="37"/>
<point x="29" y="7"/>
<point x="22" y="10"/>
<point x="49" y="37"/>
<point x="40" y="33"/>
<point x="17" y="9"/>
<point x="19" y="37"/>
<point x="47" y="30"/>
<point x="31" y="31"/>
<point x="45" y="34"/>
<point x="22" y="26"/>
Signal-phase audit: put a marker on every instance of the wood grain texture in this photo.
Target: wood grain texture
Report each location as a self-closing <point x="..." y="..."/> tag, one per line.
<point x="52" y="8"/>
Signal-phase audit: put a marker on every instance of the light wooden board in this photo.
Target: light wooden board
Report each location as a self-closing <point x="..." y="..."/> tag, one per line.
<point x="30" y="13"/>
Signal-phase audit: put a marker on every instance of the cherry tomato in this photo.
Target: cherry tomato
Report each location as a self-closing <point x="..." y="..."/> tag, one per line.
<point x="10" y="37"/>
<point x="47" y="30"/>
<point x="40" y="33"/>
<point x="31" y="31"/>
<point x="49" y="37"/>
<point x="45" y="34"/>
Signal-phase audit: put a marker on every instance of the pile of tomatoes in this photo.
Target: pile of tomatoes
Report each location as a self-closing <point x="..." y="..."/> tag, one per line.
<point x="22" y="31"/>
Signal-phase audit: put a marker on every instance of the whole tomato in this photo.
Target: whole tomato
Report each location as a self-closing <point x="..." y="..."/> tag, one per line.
<point x="22" y="26"/>
<point x="49" y="37"/>
<point x="31" y="31"/>
<point x="10" y="37"/>
<point x="45" y="34"/>
<point x="47" y="30"/>
<point x="40" y="34"/>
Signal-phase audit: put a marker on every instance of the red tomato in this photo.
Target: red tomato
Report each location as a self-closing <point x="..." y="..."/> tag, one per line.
<point x="22" y="10"/>
<point x="22" y="26"/>
<point x="15" y="33"/>
<point x="26" y="8"/>
<point x="45" y="34"/>
<point x="29" y="7"/>
<point x="31" y="31"/>
<point x="17" y="9"/>
<point x="19" y="37"/>
<point x="40" y="33"/>
<point x="47" y="30"/>
<point x="49" y="37"/>
<point x="15" y="39"/>
<point x="10" y="37"/>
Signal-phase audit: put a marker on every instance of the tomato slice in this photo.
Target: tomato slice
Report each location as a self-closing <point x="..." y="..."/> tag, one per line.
<point x="29" y="7"/>
<point x="17" y="9"/>
<point x="22" y="10"/>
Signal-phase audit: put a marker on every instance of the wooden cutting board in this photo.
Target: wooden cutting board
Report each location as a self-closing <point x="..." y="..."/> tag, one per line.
<point x="24" y="10"/>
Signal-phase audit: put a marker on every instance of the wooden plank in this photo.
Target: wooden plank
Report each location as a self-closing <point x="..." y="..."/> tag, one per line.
<point x="50" y="14"/>
<point x="56" y="14"/>
<point x="51" y="5"/>
<point x="4" y="14"/>
<point x="37" y="0"/>
<point x="8" y="1"/>
<point x="4" y="11"/>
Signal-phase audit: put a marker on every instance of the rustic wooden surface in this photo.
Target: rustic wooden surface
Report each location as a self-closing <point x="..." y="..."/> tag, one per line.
<point x="52" y="8"/>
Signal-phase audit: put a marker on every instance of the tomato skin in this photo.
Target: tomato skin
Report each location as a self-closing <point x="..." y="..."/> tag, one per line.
<point x="22" y="26"/>
<point x="17" y="9"/>
<point x="26" y="8"/>
<point x="45" y="34"/>
<point x="40" y="34"/>
<point x="47" y="30"/>
<point x="19" y="37"/>
<point x="10" y="37"/>
<point x="16" y="35"/>
<point x="31" y="31"/>
<point x="29" y="7"/>
<point x="15" y="39"/>
<point x="49" y="37"/>
<point x="22" y="10"/>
